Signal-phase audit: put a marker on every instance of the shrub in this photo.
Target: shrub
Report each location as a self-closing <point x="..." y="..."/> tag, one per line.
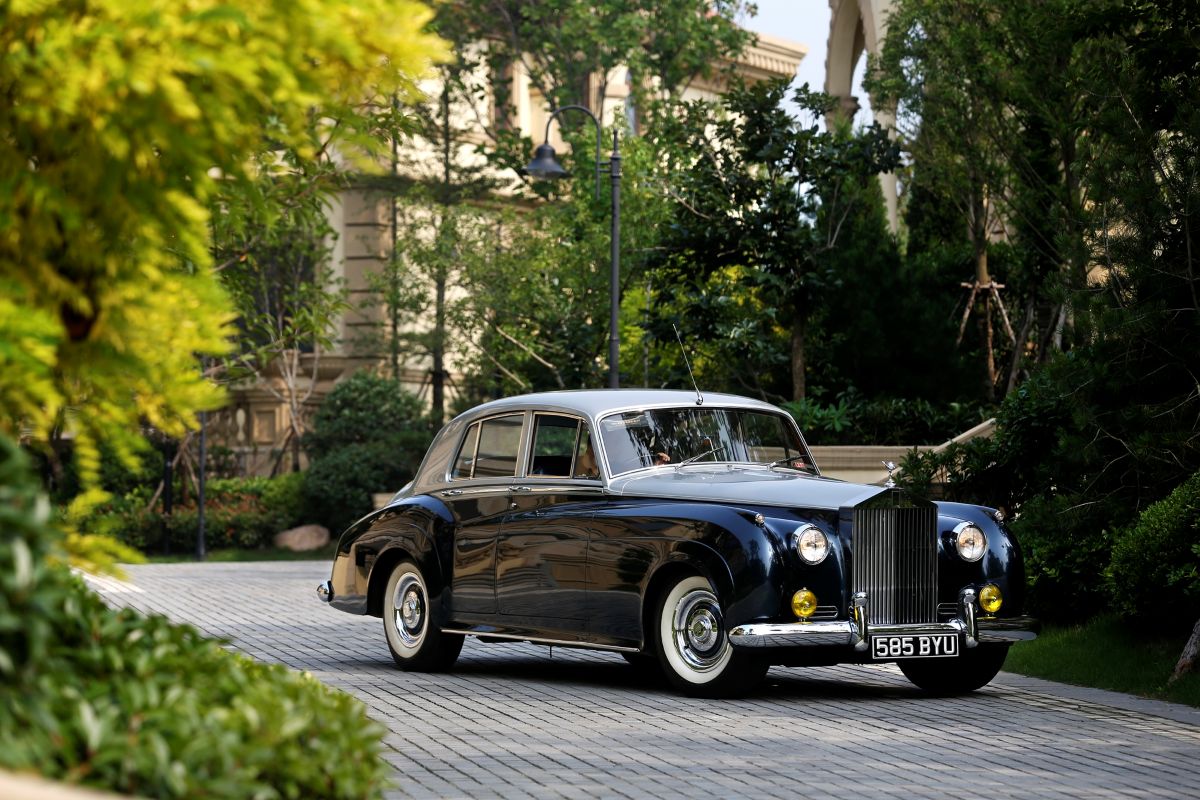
<point x="240" y="512"/>
<point x="368" y="437"/>
<point x="1155" y="570"/>
<point x="118" y="701"/>
<point x="856" y="420"/>
<point x="361" y="409"/>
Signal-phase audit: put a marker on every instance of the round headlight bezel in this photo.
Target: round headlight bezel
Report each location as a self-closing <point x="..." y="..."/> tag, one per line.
<point x="804" y="538"/>
<point x="969" y="541"/>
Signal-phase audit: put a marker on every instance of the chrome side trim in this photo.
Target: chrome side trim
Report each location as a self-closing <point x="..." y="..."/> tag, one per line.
<point x="538" y="640"/>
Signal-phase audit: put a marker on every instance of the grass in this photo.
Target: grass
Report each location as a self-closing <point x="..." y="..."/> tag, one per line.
<point x="1106" y="653"/>
<point x="235" y="554"/>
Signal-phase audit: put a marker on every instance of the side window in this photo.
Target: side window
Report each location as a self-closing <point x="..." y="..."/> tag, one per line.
<point x="465" y="463"/>
<point x="499" y="441"/>
<point x="555" y="440"/>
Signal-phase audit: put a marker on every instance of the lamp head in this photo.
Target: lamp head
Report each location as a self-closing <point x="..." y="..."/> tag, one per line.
<point x="545" y="164"/>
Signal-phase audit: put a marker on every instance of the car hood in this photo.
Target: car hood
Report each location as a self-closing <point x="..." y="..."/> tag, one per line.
<point x="753" y="485"/>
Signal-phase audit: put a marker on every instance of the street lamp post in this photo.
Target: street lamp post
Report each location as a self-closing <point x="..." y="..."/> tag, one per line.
<point x="545" y="166"/>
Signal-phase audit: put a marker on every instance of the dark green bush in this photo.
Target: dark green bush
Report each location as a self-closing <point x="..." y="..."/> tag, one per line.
<point x="118" y="701"/>
<point x="240" y="512"/>
<point x="1078" y="453"/>
<point x="365" y="408"/>
<point x="368" y="437"/>
<point x="1155" y="571"/>
<point x="854" y="419"/>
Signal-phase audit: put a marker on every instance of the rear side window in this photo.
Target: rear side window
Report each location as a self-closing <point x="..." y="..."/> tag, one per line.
<point x="555" y="440"/>
<point x="464" y="465"/>
<point x="496" y="451"/>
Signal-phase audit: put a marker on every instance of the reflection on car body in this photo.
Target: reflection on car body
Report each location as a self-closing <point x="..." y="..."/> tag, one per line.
<point x="700" y="537"/>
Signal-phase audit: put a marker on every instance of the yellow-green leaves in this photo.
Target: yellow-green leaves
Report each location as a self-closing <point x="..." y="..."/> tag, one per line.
<point x="120" y="124"/>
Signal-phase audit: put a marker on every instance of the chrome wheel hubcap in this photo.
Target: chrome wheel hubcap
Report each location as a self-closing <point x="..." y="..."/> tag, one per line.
<point x="410" y="610"/>
<point x="698" y="630"/>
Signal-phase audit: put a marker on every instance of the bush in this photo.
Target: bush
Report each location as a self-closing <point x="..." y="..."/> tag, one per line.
<point x="365" y="408"/>
<point x="856" y="420"/>
<point x="240" y="512"/>
<point x="118" y="701"/>
<point x="1076" y="457"/>
<point x="368" y="437"/>
<point x="1155" y="570"/>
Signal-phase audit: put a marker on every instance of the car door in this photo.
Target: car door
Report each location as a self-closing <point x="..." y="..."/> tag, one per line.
<point x="478" y="496"/>
<point x="541" y="556"/>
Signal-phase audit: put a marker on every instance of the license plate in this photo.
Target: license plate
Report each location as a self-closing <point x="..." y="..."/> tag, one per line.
<point x="914" y="645"/>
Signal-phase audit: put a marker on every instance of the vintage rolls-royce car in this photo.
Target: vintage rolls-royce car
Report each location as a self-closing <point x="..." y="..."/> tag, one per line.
<point x="690" y="531"/>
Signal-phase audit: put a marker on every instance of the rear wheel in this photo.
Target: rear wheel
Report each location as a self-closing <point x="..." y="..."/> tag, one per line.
<point x="971" y="670"/>
<point x="417" y="644"/>
<point x="692" y="647"/>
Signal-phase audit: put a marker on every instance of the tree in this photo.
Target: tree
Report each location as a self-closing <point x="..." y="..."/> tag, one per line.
<point x="1098" y="433"/>
<point x="757" y="189"/>
<point x="288" y="305"/>
<point x="990" y="107"/>
<point x="121" y="123"/>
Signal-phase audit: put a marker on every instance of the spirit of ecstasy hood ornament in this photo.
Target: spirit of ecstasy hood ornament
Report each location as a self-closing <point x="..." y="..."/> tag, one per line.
<point x="891" y="467"/>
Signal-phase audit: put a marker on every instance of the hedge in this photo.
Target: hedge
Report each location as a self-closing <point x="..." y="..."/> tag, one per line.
<point x="118" y="701"/>
<point x="1155" y="570"/>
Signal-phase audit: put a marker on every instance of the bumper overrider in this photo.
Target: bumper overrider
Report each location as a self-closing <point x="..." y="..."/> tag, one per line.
<point x="974" y="628"/>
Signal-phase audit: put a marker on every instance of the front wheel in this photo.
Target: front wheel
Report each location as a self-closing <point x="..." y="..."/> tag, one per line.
<point x="692" y="646"/>
<point x="971" y="670"/>
<point x="417" y="644"/>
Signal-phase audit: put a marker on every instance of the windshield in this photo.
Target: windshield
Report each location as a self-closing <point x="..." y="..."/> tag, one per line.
<point x="679" y="436"/>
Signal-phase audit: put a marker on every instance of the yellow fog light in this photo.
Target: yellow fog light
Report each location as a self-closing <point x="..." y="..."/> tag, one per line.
<point x="990" y="598"/>
<point x="804" y="603"/>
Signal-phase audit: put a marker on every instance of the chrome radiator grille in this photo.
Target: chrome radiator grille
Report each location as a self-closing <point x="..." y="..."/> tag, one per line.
<point x="895" y="563"/>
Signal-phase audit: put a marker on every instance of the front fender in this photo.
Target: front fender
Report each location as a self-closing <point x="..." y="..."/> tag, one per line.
<point x="413" y="528"/>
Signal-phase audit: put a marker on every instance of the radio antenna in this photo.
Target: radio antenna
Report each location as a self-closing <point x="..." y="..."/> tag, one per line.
<point x="682" y="349"/>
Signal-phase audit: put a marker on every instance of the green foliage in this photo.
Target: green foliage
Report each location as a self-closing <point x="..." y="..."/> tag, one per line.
<point x="368" y="437"/>
<point x="854" y="419"/>
<point x="239" y="512"/>
<point x="1155" y="570"/>
<point x="117" y="701"/>
<point x="119" y="121"/>
<point x="657" y="47"/>
<point x="759" y="190"/>
<point x="1095" y="100"/>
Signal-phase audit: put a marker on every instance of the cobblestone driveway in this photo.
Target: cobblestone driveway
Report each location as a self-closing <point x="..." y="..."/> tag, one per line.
<point x="517" y="719"/>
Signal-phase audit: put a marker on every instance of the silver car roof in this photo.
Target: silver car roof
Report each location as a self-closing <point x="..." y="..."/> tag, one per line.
<point x="596" y="403"/>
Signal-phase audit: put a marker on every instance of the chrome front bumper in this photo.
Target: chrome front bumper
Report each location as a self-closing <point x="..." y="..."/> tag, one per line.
<point x="974" y="628"/>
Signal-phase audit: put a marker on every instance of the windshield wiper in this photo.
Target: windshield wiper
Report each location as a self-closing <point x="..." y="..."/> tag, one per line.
<point x="787" y="462"/>
<point x="701" y="455"/>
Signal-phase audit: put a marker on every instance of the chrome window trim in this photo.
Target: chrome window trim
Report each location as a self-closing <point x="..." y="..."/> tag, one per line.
<point x="449" y="478"/>
<point x="581" y="425"/>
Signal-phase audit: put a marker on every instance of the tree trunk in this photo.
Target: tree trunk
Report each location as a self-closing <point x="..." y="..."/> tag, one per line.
<point x="798" y="335"/>
<point x="1187" y="660"/>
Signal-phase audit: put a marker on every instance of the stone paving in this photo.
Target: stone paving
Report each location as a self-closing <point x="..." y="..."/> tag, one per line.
<point x="516" y="720"/>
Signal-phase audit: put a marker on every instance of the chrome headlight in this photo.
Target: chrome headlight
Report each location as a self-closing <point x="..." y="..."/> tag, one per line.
<point x="969" y="541"/>
<point x="811" y="543"/>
